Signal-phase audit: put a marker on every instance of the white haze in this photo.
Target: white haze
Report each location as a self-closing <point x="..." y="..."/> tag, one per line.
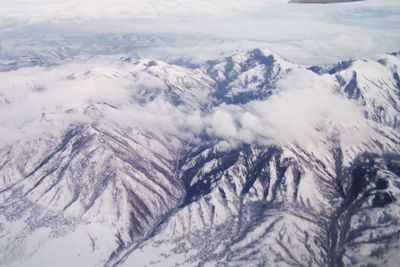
<point x="28" y="12"/>
<point x="309" y="34"/>
<point x="304" y="111"/>
<point x="45" y="101"/>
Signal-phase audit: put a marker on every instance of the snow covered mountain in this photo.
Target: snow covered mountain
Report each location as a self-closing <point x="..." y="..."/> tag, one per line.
<point x="250" y="160"/>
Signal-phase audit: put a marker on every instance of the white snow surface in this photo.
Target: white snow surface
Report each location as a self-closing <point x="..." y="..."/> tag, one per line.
<point x="94" y="157"/>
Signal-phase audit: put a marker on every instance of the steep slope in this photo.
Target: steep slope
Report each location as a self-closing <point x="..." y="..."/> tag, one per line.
<point x="95" y="178"/>
<point x="250" y="160"/>
<point x="102" y="182"/>
<point x="373" y="84"/>
<point x="247" y="76"/>
<point x="329" y="203"/>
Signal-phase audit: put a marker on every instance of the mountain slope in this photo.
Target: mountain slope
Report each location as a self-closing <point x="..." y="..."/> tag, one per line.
<point x="250" y="160"/>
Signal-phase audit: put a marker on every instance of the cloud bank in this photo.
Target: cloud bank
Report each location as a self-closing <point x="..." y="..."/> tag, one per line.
<point x="40" y="101"/>
<point x="42" y="11"/>
<point x="304" y="111"/>
<point x="308" y="34"/>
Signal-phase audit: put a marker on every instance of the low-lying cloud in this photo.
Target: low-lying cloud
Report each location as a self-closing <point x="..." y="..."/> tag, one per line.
<point x="304" y="111"/>
<point x="45" y="101"/>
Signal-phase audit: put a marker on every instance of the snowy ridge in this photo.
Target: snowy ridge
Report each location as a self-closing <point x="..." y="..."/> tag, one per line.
<point x="247" y="76"/>
<point x="133" y="196"/>
<point x="153" y="164"/>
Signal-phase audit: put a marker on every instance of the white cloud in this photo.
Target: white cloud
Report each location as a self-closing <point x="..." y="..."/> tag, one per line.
<point x="304" y="110"/>
<point x="42" y="11"/>
<point x="310" y="34"/>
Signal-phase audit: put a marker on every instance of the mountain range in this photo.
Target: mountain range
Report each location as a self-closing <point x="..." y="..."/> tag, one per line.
<point x="249" y="160"/>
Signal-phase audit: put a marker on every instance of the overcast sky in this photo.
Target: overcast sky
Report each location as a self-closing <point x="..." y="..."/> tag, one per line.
<point x="304" y="33"/>
<point x="24" y="12"/>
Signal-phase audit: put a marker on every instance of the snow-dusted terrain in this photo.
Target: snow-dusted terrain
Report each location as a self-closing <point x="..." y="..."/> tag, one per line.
<point x="249" y="160"/>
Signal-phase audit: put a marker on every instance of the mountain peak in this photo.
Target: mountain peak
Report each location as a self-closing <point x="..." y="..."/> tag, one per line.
<point x="247" y="75"/>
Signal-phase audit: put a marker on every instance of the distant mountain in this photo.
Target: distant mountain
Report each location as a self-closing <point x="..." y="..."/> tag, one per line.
<point x="152" y="164"/>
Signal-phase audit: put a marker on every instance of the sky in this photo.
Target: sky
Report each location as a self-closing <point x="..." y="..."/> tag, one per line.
<point x="22" y="12"/>
<point x="304" y="33"/>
